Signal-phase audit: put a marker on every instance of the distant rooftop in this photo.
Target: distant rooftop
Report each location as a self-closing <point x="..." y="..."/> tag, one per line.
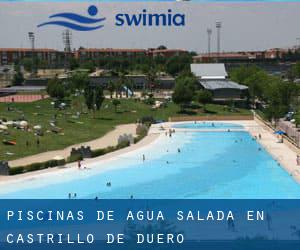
<point x="221" y="84"/>
<point x="209" y="70"/>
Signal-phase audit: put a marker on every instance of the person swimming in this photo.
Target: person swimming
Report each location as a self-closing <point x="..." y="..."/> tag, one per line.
<point x="178" y="150"/>
<point x="144" y="157"/>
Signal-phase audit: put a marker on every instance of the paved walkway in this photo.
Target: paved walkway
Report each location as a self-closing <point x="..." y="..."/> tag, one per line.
<point x="22" y="98"/>
<point x="109" y="139"/>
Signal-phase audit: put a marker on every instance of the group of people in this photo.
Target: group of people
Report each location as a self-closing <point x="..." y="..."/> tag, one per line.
<point x="74" y="196"/>
<point x="171" y="131"/>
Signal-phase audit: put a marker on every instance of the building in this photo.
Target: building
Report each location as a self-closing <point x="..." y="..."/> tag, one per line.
<point x="92" y="53"/>
<point x="136" y="81"/>
<point x="83" y="54"/>
<point x="244" y="56"/>
<point x="11" y="55"/>
<point x="214" y="78"/>
<point x="166" y="52"/>
<point x="229" y="57"/>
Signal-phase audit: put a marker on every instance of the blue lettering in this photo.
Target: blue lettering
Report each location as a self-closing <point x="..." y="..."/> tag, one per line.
<point x="134" y="20"/>
<point x="150" y="19"/>
<point x="119" y="20"/>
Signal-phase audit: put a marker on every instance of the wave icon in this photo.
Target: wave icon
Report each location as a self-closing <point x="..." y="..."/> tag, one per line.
<point x="75" y="21"/>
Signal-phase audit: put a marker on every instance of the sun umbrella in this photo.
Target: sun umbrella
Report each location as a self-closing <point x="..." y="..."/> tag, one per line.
<point x="279" y="132"/>
<point x="3" y="127"/>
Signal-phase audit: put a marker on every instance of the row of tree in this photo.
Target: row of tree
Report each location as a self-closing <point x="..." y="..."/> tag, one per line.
<point x="78" y="83"/>
<point x="273" y="95"/>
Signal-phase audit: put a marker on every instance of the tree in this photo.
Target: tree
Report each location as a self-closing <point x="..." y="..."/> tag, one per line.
<point x="177" y="64"/>
<point x="94" y="98"/>
<point x="161" y="47"/>
<point x="74" y="64"/>
<point x="55" y="89"/>
<point x="151" y="79"/>
<point x="111" y="88"/>
<point x="89" y="65"/>
<point x="116" y="103"/>
<point x="79" y="80"/>
<point x="184" y="91"/>
<point x="204" y="97"/>
<point x="28" y="64"/>
<point x="18" y="78"/>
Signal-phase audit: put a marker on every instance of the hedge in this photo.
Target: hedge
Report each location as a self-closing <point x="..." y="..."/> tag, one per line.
<point x="36" y="166"/>
<point x="73" y="158"/>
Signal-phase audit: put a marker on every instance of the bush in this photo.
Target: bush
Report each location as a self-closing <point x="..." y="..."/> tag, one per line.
<point x="147" y="119"/>
<point x="74" y="157"/>
<point x="98" y="152"/>
<point x="16" y="170"/>
<point x="36" y="166"/>
<point x="141" y="129"/>
<point x="123" y="144"/>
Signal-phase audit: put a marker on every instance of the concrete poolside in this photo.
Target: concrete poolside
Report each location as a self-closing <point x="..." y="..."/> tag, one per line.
<point x="284" y="153"/>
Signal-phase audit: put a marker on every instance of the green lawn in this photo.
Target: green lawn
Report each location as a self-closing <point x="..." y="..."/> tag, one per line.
<point x="79" y="130"/>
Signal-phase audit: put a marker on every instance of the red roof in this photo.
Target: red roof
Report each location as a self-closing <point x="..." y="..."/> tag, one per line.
<point x="111" y="50"/>
<point x="167" y="50"/>
<point x="26" y="50"/>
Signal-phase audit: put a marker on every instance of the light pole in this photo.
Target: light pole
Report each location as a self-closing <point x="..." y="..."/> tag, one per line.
<point x="32" y="40"/>
<point x="218" y="26"/>
<point x="209" y="31"/>
<point x="298" y="42"/>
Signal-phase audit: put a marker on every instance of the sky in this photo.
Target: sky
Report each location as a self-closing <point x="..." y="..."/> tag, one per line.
<point x="245" y="26"/>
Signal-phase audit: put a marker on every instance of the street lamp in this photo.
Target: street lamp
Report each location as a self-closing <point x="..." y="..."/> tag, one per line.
<point x="32" y="39"/>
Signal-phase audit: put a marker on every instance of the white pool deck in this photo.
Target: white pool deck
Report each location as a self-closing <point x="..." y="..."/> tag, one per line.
<point x="284" y="153"/>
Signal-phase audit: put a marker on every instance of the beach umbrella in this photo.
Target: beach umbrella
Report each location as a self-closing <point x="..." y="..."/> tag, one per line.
<point x="37" y="127"/>
<point x="279" y="132"/>
<point x="3" y="127"/>
<point x="23" y="124"/>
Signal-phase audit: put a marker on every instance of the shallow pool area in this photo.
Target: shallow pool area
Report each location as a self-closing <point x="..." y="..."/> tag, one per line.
<point x="188" y="164"/>
<point x="207" y="125"/>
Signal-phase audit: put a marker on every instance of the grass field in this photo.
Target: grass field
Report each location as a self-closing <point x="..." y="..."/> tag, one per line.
<point x="84" y="128"/>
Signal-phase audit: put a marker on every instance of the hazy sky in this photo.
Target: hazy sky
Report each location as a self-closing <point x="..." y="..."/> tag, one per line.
<point x="246" y="26"/>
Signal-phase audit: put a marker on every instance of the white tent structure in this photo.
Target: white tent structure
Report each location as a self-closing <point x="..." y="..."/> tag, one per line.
<point x="209" y="70"/>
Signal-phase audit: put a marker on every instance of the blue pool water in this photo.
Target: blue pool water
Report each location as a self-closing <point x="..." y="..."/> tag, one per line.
<point x="210" y="165"/>
<point x="208" y="125"/>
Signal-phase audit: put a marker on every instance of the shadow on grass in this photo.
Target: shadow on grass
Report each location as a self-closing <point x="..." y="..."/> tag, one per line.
<point x="209" y="112"/>
<point x="103" y="118"/>
<point x="187" y="112"/>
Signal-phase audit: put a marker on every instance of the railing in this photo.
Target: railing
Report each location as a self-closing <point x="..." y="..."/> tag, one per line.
<point x="289" y="141"/>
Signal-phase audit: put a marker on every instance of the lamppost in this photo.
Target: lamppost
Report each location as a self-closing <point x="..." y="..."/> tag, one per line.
<point x="32" y="40"/>
<point x="209" y="31"/>
<point x="218" y="26"/>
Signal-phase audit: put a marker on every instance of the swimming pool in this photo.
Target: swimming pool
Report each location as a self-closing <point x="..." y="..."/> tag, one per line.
<point x="209" y="165"/>
<point x="208" y="125"/>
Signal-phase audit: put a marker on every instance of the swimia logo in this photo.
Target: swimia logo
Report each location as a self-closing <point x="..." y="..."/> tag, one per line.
<point x="77" y="22"/>
<point x="150" y="19"/>
<point x="88" y="23"/>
